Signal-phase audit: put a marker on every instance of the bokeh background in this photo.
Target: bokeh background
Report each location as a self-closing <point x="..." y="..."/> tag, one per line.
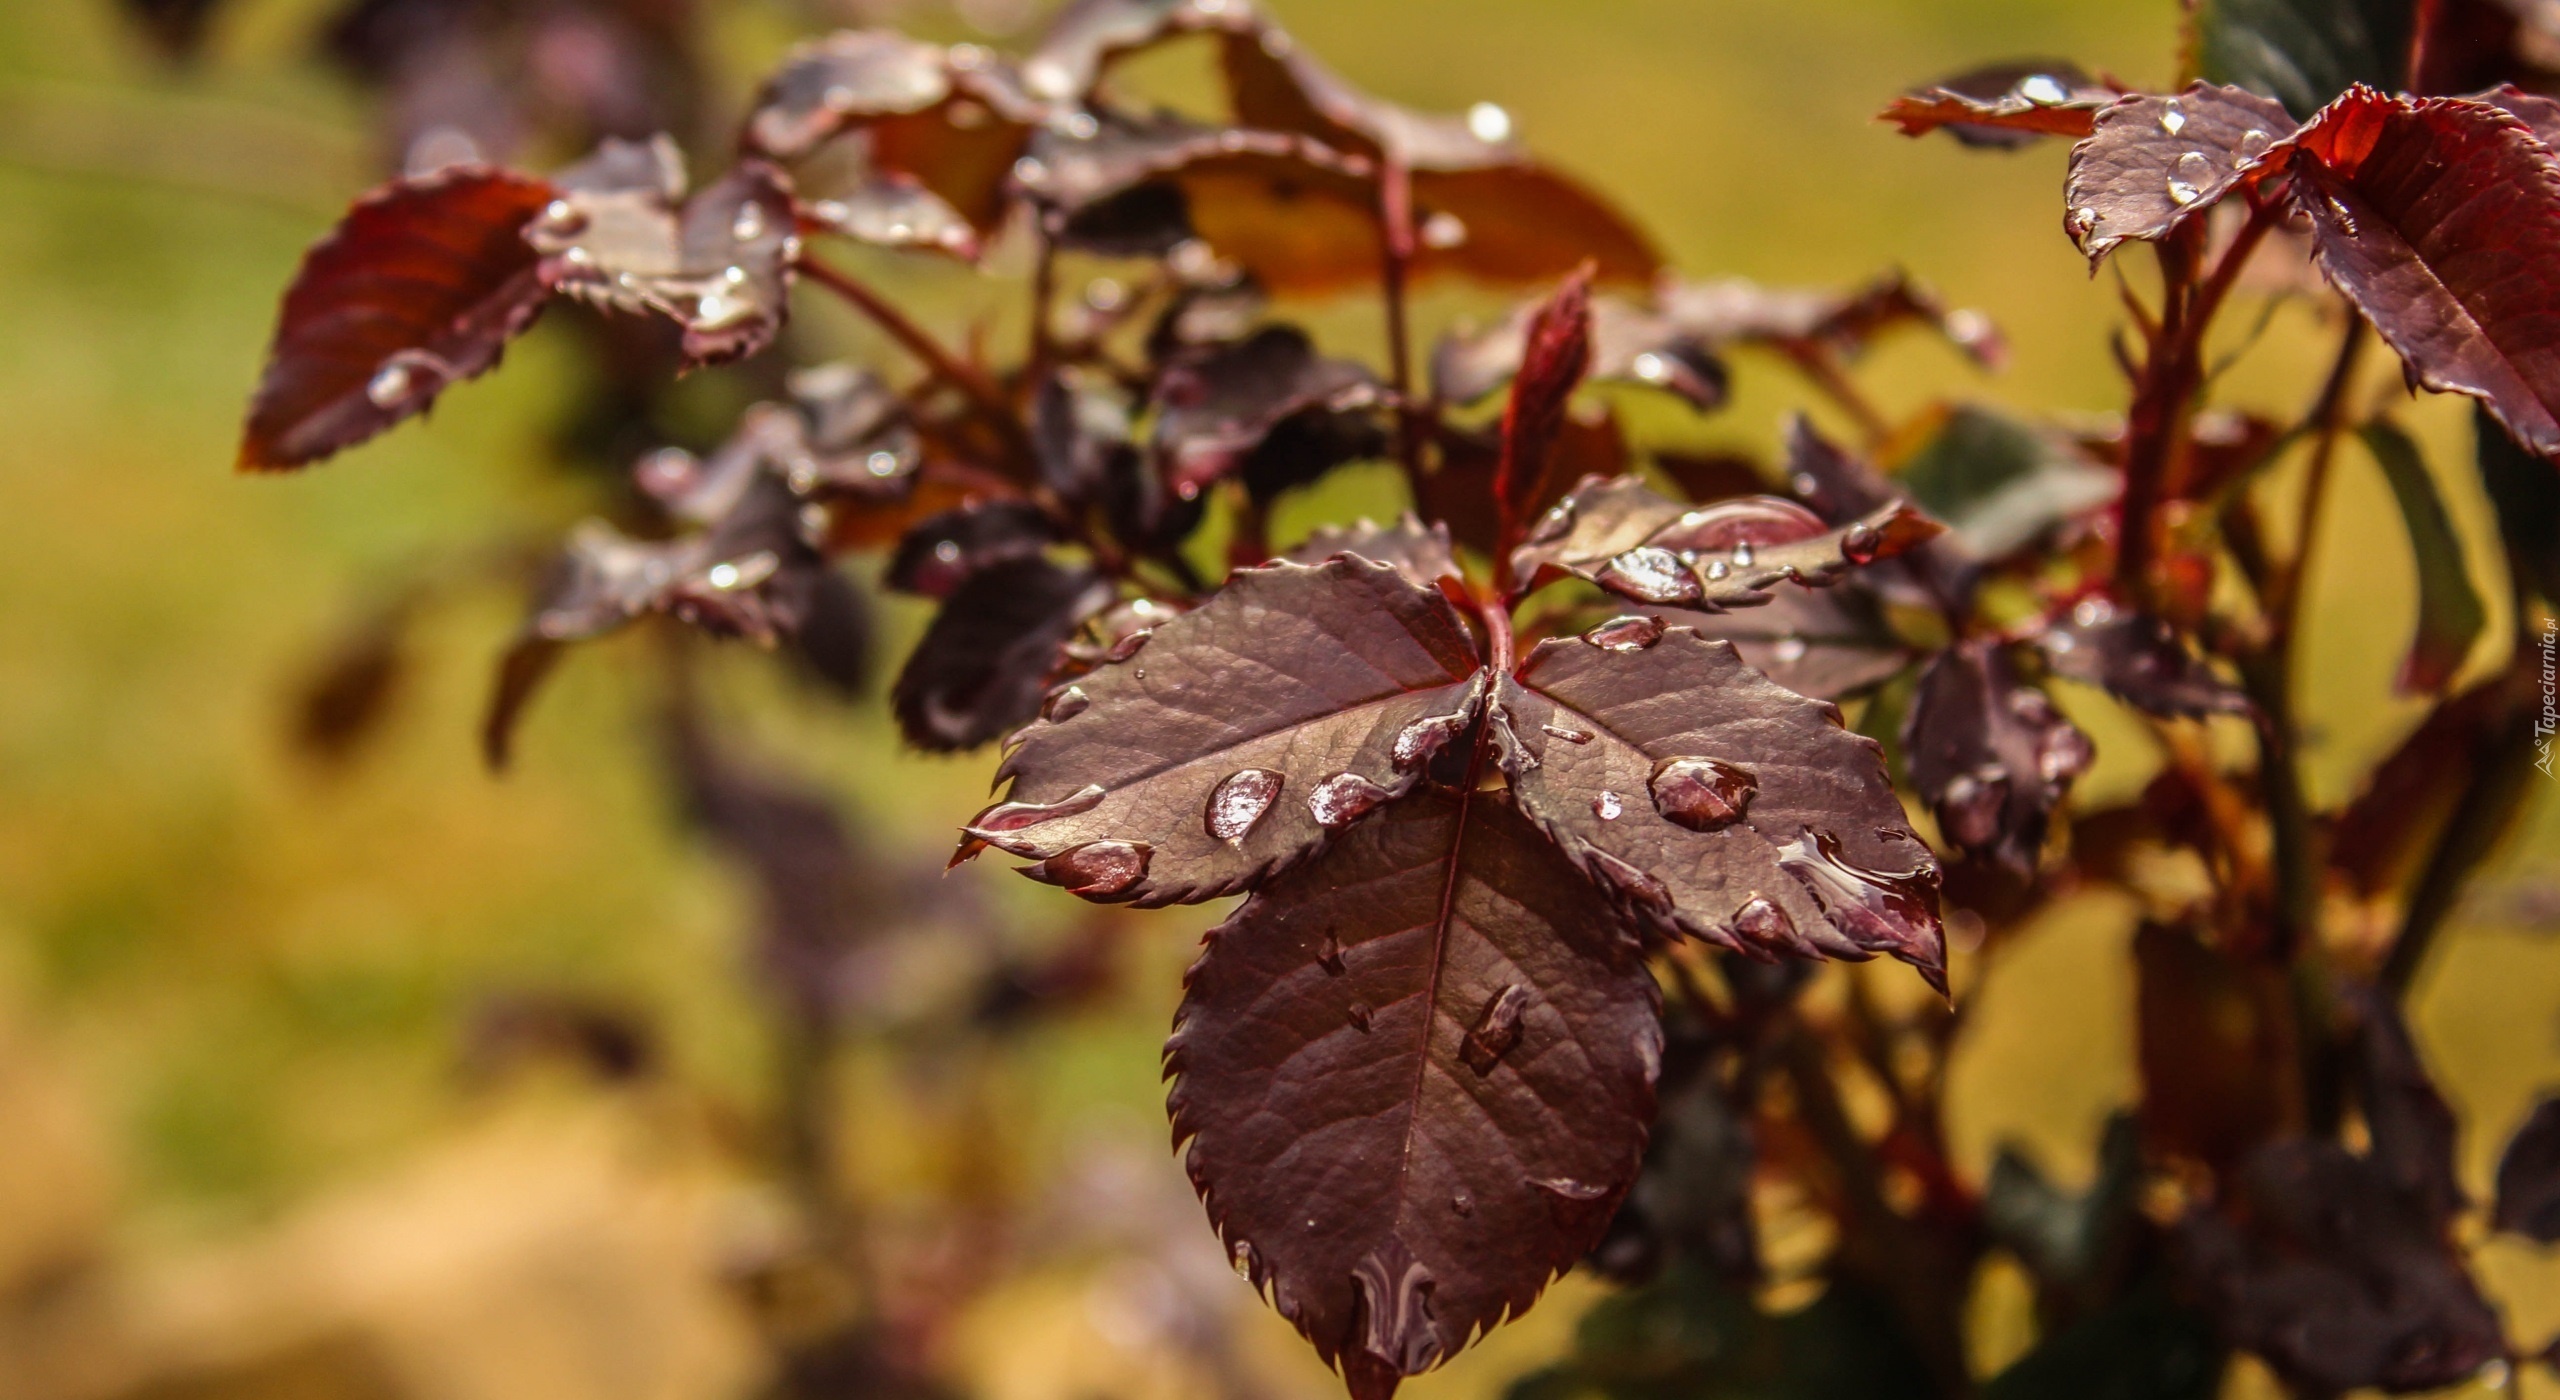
<point x="271" y="1119"/>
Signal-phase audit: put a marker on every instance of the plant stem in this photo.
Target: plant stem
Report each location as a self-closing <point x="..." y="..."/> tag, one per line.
<point x="1044" y="292"/>
<point x="1822" y="369"/>
<point x="982" y="392"/>
<point x="1395" y="214"/>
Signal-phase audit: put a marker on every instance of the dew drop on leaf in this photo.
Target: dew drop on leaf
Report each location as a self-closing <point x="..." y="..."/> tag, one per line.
<point x="1016" y="816"/>
<point x="1238" y="801"/>
<point x="1861" y="544"/>
<point x="2065" y="754"/>
<point x="1876" y="910"/>
<point x="2173" y="118"/>
<point x="1329" y="956"/>
<point x="2253" y="144"/>
<point x="1246" y="1262"/>
<point x="1066" y="705"/>
<point x="1630" y="633"/>
<point x="1359" y="1014"/>
<point x="1496" y="1030"/>
<point x="1570" y="736"/>
<point x="1788" y="650"/>
<point x="1702" y="794"/>
<point x="1097" y="869"/>
<point x="1463" y="1204"/>
<point x="1765" y="924"/>
<point x="1743" y="558"/>
<point x="2188" y="178"/>
<point x="1646" y="891"/>
<point x="1650" y="575"/>
<point x="1418" y="741"/>
<point x="2044" y="90"/>
<point x="389" y="385"/>
<point x="1607" y="806"/>
<point x="1342" y="799"/>
<point x="1971" y="806"/>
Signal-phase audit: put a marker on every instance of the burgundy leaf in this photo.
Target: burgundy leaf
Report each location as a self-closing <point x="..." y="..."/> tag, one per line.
<point x="1555" y="355"/>
<point x="1458" y="489"/>
<point x="1415" y="1076"/>
<point x="895" y="210"/>
<point x="1215" y="410"/>
<point x="1293" y="213"/>
<point x="1713" y="802"/>
<point x="1797" y="321"/>
<point x="2336" y="1278"/>
<point x="719" y="266"/>
<point x="1640" y="545"/>
<point x="2153" y="163"/>
<point x="983" y="665"/>
<point x="752" y="574"/>
<point x="1825" y="643"/>
<point x="1419" y="552"/>
<point x="2211" y="1049"/>
<point x="837" y="637"/>
<point x="522" y="669"/>
<point x="1627" y="346"/>
<point x="2006" y="106"/>
<point x="2411" y="795"/>
<point x="1231" y="741"/>
<point x="420" y="286"/>
<point x="352" y="688"/>
<point x="2529" y="1177"/>
<point x="1990" y="754"/>
<point x="944" y="550"/>
<point x="2440" y="220"/>
<point x="826" y="85"/>
<point x="2139" y="660"/>
<point x="2412" y="1129"/>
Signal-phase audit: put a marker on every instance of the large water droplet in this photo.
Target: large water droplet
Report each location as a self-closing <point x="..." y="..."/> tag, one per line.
<point x="1066" y="704"/>
<point x="1718" y="571"/>
<point x="1393" y="1303"/>
<point x="1017" y="816"/>
<point x="1238" y="801"/>
<point x="1878" y="912"/>
<point x="1489" y="123"/>
<point x="1418" y="741"/>
<point x="1496" y="1030"/>
<point x="1702" y="794"/>
<point x="1972" y="804"/>
<point x="389" y="385"/>
<point x="1342" y="799"/>
<point x="2253" y="144"/>
<point x="1248" y="1265"/>
<point x="1765" y="925"/>
<point x="2173" y="118"/>
<point x="1129" y="645"/>
<point x="1862" y="544"/>
<point x="2188" y="178"/>
<point x="2044" y="90"/>
<point x="1788" y="651"/>
<point x="1607" y="806"/>
<point x="1650" y="575"/>
<point x="1097" y="869"/>
<point x="1743" y="557"/>
<point x="1630" y="633"/>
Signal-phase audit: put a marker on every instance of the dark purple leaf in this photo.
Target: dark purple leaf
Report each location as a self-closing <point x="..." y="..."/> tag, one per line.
<point x="1627" y="346"/>
<point x="2412" y="1129"/>
<point x="1692" y="1199"/>
<point x="2006" y="106"/>
<point x="526" y="664"/>
<point x="895" y="210"/>
<point x="1232" y="740"/>
<point x="1825" y="643"/>
<point x="837" y="636"/>
<point x="1640" y="545"/>
<point x="1216" y="410"/>
<point x="1555" y="354"/>
<point x="420" y="286"/>
<point x="1415" y="1076"/>
<point x="983" y="665"/>
<point x="2155" y="162"/>
<point x="2412" y="795"/>
<point x="2139" y="660"/>
<point x="2451" y="616"/>
<point x="752" y="574"/>
<point x="1797" y="321"/>
<point x="345" y="697"/>
<point x="1419" y="552"/>
<point x="2440" y="220"/>
<point x="1990" y="754"/>
<point x="1079" y="425"/>
<point x="1712" y="802"/>
<point x="2000" y="485"/>
<point x="2529" y="1177"/>
<point x="943" y="551"/>
<point x="2337" y="1279"/>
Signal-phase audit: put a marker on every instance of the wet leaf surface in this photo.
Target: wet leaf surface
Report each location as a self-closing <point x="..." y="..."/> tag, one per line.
<point x="1712" y="802"/>
<point x="1338" y="681"/>
<point x="1415" y="1076"/>
<point x="1419" y="552"/>
<point x="1825" y="643"/>
<point x="2005" y="106"/>
<point x="944" y="551"/>
<point x="2152" y="163"/>
<point x="1990" y="754"/>
<point x="419" y="287"/>
<point x="1219" y="411"/>
<point x="2139" y="660"/>
<point x="1629" y="539"/>
<point x="984" y="664"/>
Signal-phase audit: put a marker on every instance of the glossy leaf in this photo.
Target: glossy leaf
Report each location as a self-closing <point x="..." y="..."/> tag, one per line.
<point x="1825" y="643"/>
<point x="1419" y="552"/>
<point x="2153" y="163"/>
<point x="2451" y="616"/>
<point x="1415" y="1076"/>
<point x="1990" y="754"/>
<point x="1712" y="802"/>
<point x="2005" y="106"/>
<point x="984" y="664"/>
<point x="1216" y="410"/>
<point x="2303" y="52"/>
<point x="943" y="551"/>
<point x="1556" y="354"/>
<point x="1798" y="321"/>
<point x="2529" y="1177"/>
<point x="2139" y="660"/>
<point x="1640" y="545"/>
<point x="1232" y="740"/>
<point x="421" y="286"/>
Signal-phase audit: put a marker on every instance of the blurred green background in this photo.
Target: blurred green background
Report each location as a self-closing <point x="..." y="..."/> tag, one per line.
<point x="233" y="984"/>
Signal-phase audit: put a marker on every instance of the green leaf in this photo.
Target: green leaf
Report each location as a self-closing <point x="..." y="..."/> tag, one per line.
<point x="2000" y="484"/>
<point x="2450" y="614"/>
<point x="2525" y="489"/>
<point x="2144" y="1348"/>
<point x="2303" y="52"/>
<point x="1687" y="1336"/>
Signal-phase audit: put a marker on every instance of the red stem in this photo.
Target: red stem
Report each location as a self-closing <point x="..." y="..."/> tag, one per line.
<point x="982" y="393"/>
<point x="1395" y="215"/>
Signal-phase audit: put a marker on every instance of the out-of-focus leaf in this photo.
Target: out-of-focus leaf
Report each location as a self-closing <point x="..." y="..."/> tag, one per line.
<point x="1078" y="425"/>
<point x="2303" y="52"/>
<point x="1215" y="411"/>
<point x="607" y="1040"/>
<point x="1433" y="1043"/>
<point x="2451" y="616"/>
<point x="1627" y="346"/>
<point x="1294" y="214"/>
<point x="2526" y="493"/>
<point x="719" y="265"/>
<point x="2146" y="1347"/>
<point x="1229" y="742"/>
<point x="1628" y="539"/>
<point x="2338" y="1280"/>
<point x="943" y="551"/>
<point x="1708" y="477"/>
<point x="2005" y="106"/>
<point x="896" y="210"/>
<point x="1692" y="1200"/>
<point x="347" y="694"/>
<point x="1990" y="754"/>
<point x="2413" y="793"/>
<point x="2140" y="660"/>
<point x="2000" y="485"/>
<point x="983" y="665"/>
<point x="1555" y="355"/>
<point x="752" y="574"/>
<point x="2152" y="163"/>
<point x="177" y="26"/>
<point x="1825" y="643"/>
<point x="2412" y="1129"/>
<point x="1712" y="802"/>
<point x="2214" y="1058"/>
<point x="837" y="636"/>
<point x="2529" y="1177"/>
<point x="2065" y="1240"/>
<point x="1691" y="1336"/>
<point x="526" y="664"/>
<point x="1458" y="491"/>
<point x="420" y="286"/>
<point x="1419" y="552"/>
<point x="1732" y="311"/>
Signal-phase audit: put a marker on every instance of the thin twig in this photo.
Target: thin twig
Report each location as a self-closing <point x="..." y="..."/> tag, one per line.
<point x="982" y="392"/>
<point x="1395" y="215"/>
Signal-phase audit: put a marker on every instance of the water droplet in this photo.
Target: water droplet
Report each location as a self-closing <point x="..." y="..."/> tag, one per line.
<point x="947" y="552"/>
<point x="715" y="310"/>
<point x="389" y="385"/>
<point x="1082" y="126"/>
<point x="1030" y="171"/>
<point x="1743" y="558"/>
<point x="2093" y="612"/>
<point x="1652" y="368"/>
<point x="1570" y="736"/>
<point x="2044" y="90"/>
<point x="2066" y="753"/>
<point x="882" y="464"/>
<point x="1444" y="230"/>
<point x="1972" y="804"/>
<point x="1360" y="1016"/>
<point x="1097" y="869"/>
<point x="2173" y="118"/>
<point x="1462" y="1203"/>
<point x="1788" y="651"/>
<point x="1239" y="801"/>
<point x="748" y="226"/>
<point x="1718" y="571"/>
<point x="1630" y="633"/>
<point x="1861" y="544"/>
<point x="1552" y="525"/>
<point x="1248" y="1265"/>
<point x="1048" y="78"/>
<point x="1342" y="799"/>
<point x="1702" y="794"/>
<point x="1607" y="806"/>
<point x="1129" y="646"/>
<point x="1878" y="912"/>
<point x="2253" y="144"/>
<point x="1020" y="816"/>
<point x="722" y="576"/>
<point x="1418" y="741"/>
<point x="734" y="275"/>
<point x="2087" y="217"/>
<point x="1489" y="123"/>
<point x="1650" y="575"/>
<point x="1066" y="705"/>
<point x="1765" y="925"/>
<point x="1496" y="1030"/>
<point x="1329" y="956"/>
<point x="1393" y="1304"/>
